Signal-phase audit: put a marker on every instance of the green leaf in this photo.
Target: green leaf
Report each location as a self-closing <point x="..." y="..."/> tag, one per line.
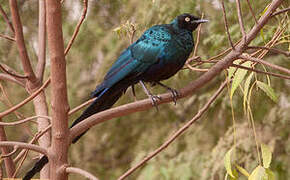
<point x="227" y="162"/>
<point x="246" y="87"/>
<point x="266" y="155"/>
<point x="259" y="173"/>
<point x="239" y="77"/>
<point x="242" y="170"/>
<point x="268" y="90"/>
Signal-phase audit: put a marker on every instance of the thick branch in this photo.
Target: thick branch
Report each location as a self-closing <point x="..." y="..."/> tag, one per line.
<point x="20" y="41"/>
<point x="23" y="146"/>
<point x="81" y="172"/>
<point x="186" y="91"/>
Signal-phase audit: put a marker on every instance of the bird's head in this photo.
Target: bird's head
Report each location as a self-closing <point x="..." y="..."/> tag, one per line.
<point x="188" y="21"/>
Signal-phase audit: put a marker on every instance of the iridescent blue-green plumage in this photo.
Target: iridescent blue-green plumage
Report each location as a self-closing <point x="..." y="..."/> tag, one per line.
<point x="157" y="55"/>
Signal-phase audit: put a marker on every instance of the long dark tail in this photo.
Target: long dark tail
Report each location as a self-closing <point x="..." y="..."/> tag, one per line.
<point x="103" y="102"/>
<point x="36" y="168"/>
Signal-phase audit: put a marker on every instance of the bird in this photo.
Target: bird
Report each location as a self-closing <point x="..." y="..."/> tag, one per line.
<point x="159" y="53"/>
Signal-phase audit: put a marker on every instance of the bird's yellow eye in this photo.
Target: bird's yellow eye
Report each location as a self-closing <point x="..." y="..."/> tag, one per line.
<point x="187" y="19"/>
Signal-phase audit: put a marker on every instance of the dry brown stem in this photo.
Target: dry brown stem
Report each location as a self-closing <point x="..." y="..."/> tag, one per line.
<point x="6" y="19"/>
<point x="226" y="25"/>
<point x="23" y="146"/>
<point x="81" y="172"/>
<point x="77" y="29"/>
<point x="22" y="103"/>
<point x="7" y="37"/>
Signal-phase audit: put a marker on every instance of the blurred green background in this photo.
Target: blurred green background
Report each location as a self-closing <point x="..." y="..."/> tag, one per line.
<point x="109" y="149"/>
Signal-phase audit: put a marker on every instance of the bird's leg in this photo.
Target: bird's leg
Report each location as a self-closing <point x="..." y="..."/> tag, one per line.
<point x="174" y="92"/>
<point x="150" y="95"/>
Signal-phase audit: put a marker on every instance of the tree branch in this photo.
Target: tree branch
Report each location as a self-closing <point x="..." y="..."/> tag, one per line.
<point x="20" y="41"/>
<point x="23" y="146"/>
<point x="186" y="91"/>
<point x="23" y="120"/>
<point x="59" y="100"/>
<point x="240" y="17"/>
<point x="176" y="134"/>
<point x="257" y="60"/>
<point x="33" y="95"/>
<point x="41" y="40"/>
<point x="261" y="72"/>
<point x="227" y="26"/>
<point x="252" y="12"/>
<point x="7" y="37"/>
<point x="274" y="50"/>
<point x="8" y="77"/>
<point x="85" y="4"/>
<point x="281" y="11"/>
<point x="9" y="164"/>
<point x="11" y="72"/>
<point x="5" y="17"/>
<point x="81" y="172"/>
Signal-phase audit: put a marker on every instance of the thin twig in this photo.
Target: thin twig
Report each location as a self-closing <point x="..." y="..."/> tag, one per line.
<point x="85" y="4"/>
<point x="33" y="95"/>
<point x="281" y="11"/>
<point x="80" y="172"/>
<point x="6" y="19"/>
<point x="226" y="25"/>
<point x="274" y="50"/>
<point x="7" y="37"/>
<point x="80" y="106"/>
<point x="262" y="72"/>
<point x="8" y="102"/>
<point x="197" y="38"/>
<point x="176" y="134"/>
<point x="240" y="17"/>
<point x="23" y="121"/>
<point x="33" y="140"/>
<point x="196" y="69"/>
<point x="11" y="72"/>
<point x="23" y="146"/>
<point x="257" y="60"/>
<point x="252" y="12"/>
<point x="7" y="77"/>
<point x="11" y="153"/>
